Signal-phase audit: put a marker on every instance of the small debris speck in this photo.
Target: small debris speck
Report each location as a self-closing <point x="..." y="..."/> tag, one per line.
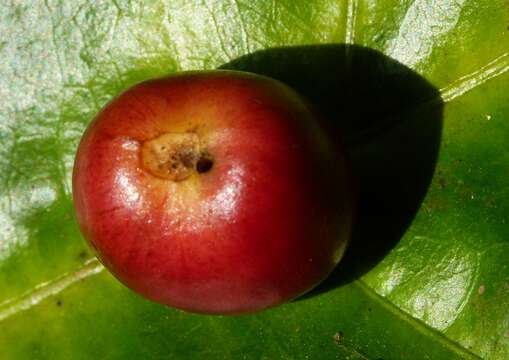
<point x="338" y="337"/>
<point x="443" y="183"/>
<point x="482" y="288"/>
<point x="59" y="303"/>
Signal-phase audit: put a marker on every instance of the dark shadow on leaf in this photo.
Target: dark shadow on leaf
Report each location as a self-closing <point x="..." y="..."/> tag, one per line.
<point x="390" y="120"/>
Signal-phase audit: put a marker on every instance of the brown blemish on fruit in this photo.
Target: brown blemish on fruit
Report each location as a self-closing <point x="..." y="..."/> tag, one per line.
<point x="175" y="156"/>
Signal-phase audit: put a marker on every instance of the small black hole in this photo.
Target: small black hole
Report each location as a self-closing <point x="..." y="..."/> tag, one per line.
<point x="204" y="164"/>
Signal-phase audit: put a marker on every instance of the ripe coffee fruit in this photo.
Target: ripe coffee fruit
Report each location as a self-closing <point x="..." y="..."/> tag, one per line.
<point x="213" y="192"/>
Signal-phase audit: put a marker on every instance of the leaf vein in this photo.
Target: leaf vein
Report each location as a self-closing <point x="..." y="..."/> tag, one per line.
<point x="45" y="290"/>
<point x="351" y="19"/>
<point x="468" y="82"/>
<point x="417" y="324"/>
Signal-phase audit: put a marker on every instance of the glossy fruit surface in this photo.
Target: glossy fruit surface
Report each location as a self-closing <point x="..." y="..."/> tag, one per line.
<point x="213" y="192"/>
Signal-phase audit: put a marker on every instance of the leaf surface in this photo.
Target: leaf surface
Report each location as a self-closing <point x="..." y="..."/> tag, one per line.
<point x="424" y="117"/>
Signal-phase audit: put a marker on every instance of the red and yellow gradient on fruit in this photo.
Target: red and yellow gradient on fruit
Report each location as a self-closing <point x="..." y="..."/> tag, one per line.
<point x="213" y="192"/>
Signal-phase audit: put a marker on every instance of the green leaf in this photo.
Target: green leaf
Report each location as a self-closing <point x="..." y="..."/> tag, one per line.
<point x="419" y="97"/>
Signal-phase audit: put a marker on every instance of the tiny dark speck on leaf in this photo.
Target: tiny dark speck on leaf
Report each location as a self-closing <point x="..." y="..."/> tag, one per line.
<point x="442" y="182"/>
<point x="482" y="288"/>
<point x="59" y="303"/>
<point x="82" y="254"/>
<point x="338" y="337"/>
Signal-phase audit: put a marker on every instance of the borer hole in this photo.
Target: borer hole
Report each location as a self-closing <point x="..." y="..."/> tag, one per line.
<point x="204" y="164"/>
